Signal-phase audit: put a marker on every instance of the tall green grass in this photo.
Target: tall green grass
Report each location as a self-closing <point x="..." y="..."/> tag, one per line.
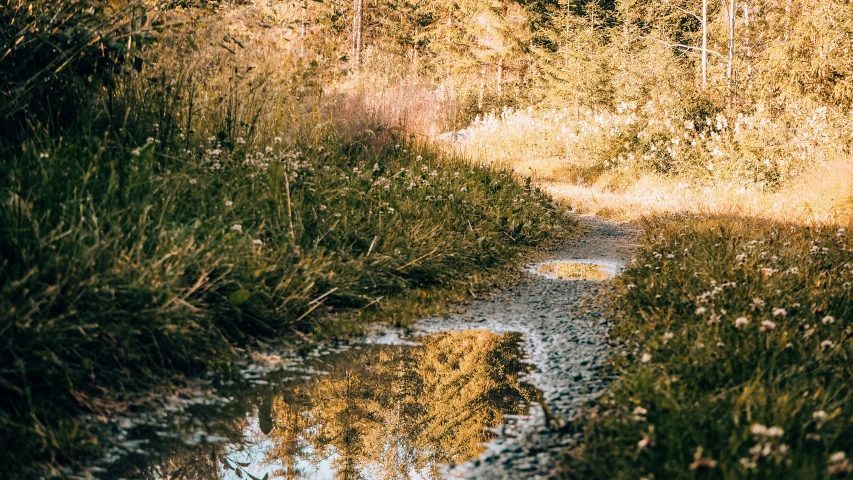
<point x="735" y="363"/>
<point x="122" y="267"/>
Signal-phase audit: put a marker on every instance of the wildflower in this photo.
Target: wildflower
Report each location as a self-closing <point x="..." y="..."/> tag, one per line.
<point x="257" y="242"/>
<point x="767" y="325"/>
<point x="757" y="303"/>
<point x="424" y="168"/>
<point x="767" y="271"/>
<point x="240" y="141"/>
<point x="193" y="181"/>
<point x="135" y="152"/>
<point x="779" y="312"/>
<point x="646" y="358"/>
<point x="463" y="189"/>
<point x="775" y="432"/>
<point x="322" y="208"/>
<point x="644" y="442"/>
<point x="819" y="415"/>
<point x="237" y="227"/>
<point x="839" y="465"/>
<point x="667" y="336"/>
<point x="228" y="203"/>
<point x="277" y="139"/>
<point x="640" y="411"/>
<point x="826" y="344"/>
<point x="758" y="430"/>
<point x="391" y="210"/>
<point x="741" y="322"/>
<point x="828" y="319"/>
<point x="837" y="457"/>
<point x="419" y="158"/>
<point x="700" y="310"/>
<point x="375" y="167"/>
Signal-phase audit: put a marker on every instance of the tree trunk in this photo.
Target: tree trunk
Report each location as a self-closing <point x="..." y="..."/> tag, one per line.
<point x="482" y="87"/>
<point x="500" y="77"/>
<point x="304" y="28"/>
<point x="704" y="43"/>
<point x="732" y="5"/>
<point x="358" y="13"/>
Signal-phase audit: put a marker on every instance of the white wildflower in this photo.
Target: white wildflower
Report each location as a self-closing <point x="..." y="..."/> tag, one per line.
<point x="837" y="457"/>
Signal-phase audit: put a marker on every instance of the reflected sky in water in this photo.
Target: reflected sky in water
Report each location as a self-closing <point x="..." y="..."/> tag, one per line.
<point x="371" y="411"/>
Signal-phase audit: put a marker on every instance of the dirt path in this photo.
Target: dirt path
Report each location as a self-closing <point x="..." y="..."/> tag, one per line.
<point x="565" y="334"/>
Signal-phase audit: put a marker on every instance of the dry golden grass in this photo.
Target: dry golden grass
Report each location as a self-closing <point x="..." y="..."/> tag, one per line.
<point x="569" y="158"/>
<point x="823" y="195"/>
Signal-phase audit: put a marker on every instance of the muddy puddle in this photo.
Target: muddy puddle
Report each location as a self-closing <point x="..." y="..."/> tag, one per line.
<point x="399" y="410"/>
<point x="581" y="269"/>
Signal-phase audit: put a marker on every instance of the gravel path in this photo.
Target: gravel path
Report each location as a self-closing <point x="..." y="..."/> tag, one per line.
<point x="565" y="333"/>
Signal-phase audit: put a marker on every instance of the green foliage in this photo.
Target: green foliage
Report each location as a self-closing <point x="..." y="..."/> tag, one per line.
<point x="728" y="327"/>
<point x="53" y="55"/>
<point x="118" y="272"/>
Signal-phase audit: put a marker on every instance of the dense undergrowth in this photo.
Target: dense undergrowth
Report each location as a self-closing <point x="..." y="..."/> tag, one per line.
<point x="120" y="270"/>
<point x="194" y="198"/>
<point x="737" y="344"/>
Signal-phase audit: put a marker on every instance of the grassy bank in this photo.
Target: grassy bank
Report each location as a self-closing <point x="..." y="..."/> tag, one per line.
<point x="123" y="267"/>
<point x="735" y="358"/>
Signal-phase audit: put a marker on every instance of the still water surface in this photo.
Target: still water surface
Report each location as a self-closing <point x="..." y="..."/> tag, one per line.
<point x="346" y="411"/>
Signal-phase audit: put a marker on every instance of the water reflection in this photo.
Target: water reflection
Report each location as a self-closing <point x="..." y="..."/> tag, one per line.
<point x="597" y="270"/>
<point x="383" y="412"/>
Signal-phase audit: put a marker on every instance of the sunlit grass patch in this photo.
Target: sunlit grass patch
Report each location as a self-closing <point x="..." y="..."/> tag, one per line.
<point x="734" y="353"/>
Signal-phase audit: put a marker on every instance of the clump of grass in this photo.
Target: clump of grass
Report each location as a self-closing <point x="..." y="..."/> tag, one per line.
<point x="735" y="342"/>
<point x="122" y="268"/>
